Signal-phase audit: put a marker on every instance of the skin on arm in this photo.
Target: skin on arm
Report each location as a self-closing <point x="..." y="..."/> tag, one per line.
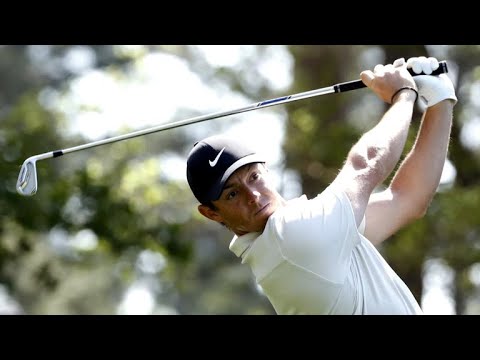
<point x="378" y="151"/>
<point x="412" y="188"/>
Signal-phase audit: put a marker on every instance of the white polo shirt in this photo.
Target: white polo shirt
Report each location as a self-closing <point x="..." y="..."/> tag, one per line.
<point x="312" y="259"/>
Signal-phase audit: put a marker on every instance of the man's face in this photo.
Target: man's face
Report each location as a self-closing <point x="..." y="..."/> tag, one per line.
<point x="247" y="200"/>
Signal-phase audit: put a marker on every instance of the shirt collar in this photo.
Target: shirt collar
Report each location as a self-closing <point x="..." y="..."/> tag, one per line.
<point x="240" y="244"/>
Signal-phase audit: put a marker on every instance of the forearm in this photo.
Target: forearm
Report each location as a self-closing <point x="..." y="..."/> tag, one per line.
<point x="383" y="145"/>
<point x="419" y="174"/>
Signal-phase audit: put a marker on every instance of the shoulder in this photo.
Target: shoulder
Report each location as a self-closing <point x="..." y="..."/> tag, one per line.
<point x="329" y="197"/>
<point x="304" y="215"/>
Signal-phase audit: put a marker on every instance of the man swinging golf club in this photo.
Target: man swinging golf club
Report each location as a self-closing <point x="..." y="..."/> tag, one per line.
<point x="318" y="256"/>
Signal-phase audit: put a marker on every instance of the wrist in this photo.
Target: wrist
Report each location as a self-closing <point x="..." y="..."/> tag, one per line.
<point x="404" y="90"/>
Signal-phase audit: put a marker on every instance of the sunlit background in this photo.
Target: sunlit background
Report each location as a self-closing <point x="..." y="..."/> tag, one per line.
<point x="163" y="85"/>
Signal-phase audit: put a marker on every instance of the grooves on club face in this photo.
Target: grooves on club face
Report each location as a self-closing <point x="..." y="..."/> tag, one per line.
<point x="27" y="179"/>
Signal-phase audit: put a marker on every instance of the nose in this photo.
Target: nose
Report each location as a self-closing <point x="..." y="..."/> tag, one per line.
<point x="252" y="195"/>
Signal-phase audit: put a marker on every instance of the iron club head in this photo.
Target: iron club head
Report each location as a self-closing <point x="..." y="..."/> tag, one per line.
<point x="27" y="178"/>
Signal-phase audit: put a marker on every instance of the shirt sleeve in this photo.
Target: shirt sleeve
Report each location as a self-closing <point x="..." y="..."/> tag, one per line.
<point x="361" y="228"/>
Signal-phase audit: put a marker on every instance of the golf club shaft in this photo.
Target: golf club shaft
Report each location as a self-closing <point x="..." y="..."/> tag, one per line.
<point x="341" y="87"/>
<point x="193" y="120"/>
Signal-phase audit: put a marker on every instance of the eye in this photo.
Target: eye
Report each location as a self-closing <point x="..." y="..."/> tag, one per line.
<point x="255" y="176"/>
<point x="231" y="194"/>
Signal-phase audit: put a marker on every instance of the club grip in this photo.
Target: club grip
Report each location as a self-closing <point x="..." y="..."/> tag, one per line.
<point x="358" y="84"/>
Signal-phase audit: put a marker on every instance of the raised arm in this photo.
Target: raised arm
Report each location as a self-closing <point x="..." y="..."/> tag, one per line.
<point x="376" y="154"/>
<point x="412" y="188"/>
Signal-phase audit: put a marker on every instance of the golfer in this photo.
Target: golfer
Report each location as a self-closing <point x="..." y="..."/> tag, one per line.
<point x="318" y="255"/>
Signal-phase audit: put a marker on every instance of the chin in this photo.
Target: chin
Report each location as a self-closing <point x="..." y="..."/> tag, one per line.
<point x="263" y="221"/>
<point x="272" y="207"/>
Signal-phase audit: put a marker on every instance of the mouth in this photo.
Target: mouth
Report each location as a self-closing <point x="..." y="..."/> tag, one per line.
<point x="262" y="210"/>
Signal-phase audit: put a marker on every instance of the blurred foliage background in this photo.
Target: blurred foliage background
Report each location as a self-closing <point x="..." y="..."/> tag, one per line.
<point x="113" y="231"/>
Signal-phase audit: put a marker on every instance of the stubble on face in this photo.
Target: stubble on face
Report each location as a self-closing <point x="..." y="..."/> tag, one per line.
<point x="248" y="200"/>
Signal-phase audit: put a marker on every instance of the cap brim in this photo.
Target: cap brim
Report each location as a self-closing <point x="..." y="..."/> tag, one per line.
<point x="217" y="188"/>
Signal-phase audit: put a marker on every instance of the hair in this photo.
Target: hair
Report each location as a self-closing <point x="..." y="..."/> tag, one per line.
<point x="210" y="205"/>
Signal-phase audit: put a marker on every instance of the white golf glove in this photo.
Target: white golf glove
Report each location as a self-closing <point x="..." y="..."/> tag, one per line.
<point x="431" y="88"/>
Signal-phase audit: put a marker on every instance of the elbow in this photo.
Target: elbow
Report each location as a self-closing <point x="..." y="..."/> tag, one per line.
<point x="421" y="209"/>
<point x="368" y="160"/>
<point x="421" y="203"/>
<point x="417" y="207"/>
<point x="419" y="213"/>
<point x="375" y="152"/>
<point x="409" y="205"/>
<point x="364" y="156"/>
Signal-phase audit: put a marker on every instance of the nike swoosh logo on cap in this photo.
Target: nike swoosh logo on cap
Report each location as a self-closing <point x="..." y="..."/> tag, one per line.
<point x="214" y="162"/>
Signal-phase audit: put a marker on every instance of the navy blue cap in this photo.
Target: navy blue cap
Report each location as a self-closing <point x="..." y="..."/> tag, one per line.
<point x="212" y="161"/>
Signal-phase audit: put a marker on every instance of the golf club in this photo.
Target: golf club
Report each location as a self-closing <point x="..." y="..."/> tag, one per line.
<point x="27" y="178"/>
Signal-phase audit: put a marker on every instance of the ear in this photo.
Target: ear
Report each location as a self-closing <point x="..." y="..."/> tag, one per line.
<point x="210" y="213"/>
